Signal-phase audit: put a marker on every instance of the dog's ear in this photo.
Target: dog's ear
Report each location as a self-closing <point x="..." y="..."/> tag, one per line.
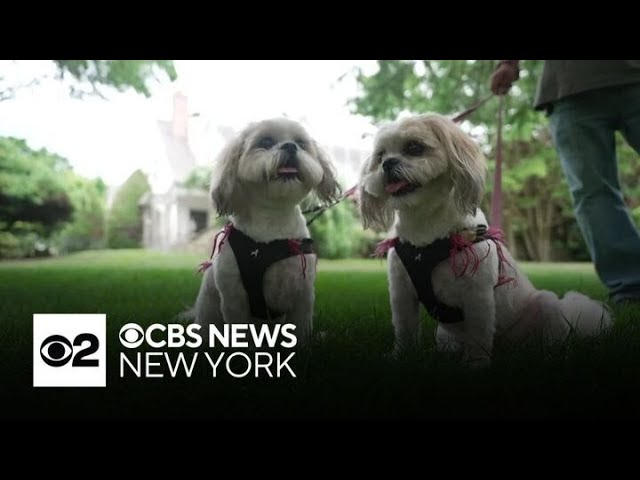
<point x="328" y="189"/>
<point x="374" y="211"/>
<point x="225" y="174"/>
<point x="468" y="164"/>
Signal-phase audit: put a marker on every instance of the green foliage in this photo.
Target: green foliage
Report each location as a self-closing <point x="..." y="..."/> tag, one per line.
<point x="337" y="233"/>
<point x="43" y="203"/>
<point x="91" y="75"/>
<point x="87" y="228"/>
<point x="538" y="214"/>
<point x="34" y="199"/>
<point x="199" y="179"/>
<point x="629" y="171"/>
<point x="9" y="245"/>
<point x="31" y="184"/>
<point x="124" y="223"/>
<point x="120" y="74"/>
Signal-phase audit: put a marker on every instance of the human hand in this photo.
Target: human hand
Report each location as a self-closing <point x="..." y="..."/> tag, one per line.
<point x="503" y="77"/>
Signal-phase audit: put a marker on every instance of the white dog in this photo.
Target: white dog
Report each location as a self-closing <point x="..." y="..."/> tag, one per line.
<point x="264" y="268"/>
<point x="441" y="254"/>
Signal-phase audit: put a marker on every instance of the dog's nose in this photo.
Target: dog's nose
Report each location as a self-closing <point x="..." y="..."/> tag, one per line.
<point x="290" y="147"/>
<point x="389" y="163"/>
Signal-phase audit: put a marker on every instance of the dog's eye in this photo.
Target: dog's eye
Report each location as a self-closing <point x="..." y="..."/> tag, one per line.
<point x="413" y="148"/>
<point x="302" y="144"/>
<point x="266" y="143"/>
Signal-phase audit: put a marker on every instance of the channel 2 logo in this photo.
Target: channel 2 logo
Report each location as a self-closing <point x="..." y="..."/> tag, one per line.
<point x="69" y="350"/>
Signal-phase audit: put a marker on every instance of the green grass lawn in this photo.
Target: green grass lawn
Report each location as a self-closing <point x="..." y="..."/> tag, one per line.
<point x="346" y="375"/>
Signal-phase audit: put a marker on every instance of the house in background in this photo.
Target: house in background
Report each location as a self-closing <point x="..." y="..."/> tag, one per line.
<point x="174" y="215"/>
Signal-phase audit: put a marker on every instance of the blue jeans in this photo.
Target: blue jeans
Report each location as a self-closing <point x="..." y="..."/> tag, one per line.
<point x="583" y="128"/>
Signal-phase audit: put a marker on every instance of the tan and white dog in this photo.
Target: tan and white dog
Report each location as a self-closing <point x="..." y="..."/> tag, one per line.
<point x="259" y="181"/>
<point x="426" y="178"/>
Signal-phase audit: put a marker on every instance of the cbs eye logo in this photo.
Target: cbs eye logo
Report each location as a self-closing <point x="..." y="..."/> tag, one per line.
<point x="69" y="350"/>
<point x="131" y="335"/>
<point x="56" y="351"/>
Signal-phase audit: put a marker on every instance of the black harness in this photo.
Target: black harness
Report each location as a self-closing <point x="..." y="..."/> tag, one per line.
<point x="420" y="262"/>
<point x="254" y="258"/>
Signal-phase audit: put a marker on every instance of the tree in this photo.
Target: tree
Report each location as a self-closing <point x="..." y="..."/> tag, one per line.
<point x="124" y="223"/>
<point x="86" y="230"/>
<point x="537" y="204"/>
<point x="91" y="76"/>
<point x="40" y="196"/>
<point x="32" y="186"/>
<point x="34" y="199"/>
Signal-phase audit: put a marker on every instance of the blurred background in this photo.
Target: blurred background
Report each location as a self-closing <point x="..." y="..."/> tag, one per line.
<point x="98" y="154"/>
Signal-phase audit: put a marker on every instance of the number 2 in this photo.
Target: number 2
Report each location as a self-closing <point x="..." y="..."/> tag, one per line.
<point x="79" y="358"/>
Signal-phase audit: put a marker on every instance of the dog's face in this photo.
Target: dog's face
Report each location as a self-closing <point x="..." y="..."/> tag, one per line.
<point x="420" y="160"/>
<point x="272" y="160"/>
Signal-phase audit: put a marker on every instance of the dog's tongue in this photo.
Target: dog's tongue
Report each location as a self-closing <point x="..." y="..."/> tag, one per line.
<point x="287" y="170"/>
<point x="394" y="187"/>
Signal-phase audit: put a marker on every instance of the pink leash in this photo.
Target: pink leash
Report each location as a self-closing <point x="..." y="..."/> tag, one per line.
<point x="496" y="196"/>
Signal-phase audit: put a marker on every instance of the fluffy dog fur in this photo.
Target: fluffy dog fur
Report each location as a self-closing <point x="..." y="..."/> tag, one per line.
<point x="434" y="180"/>
<point x="248" y="185"/>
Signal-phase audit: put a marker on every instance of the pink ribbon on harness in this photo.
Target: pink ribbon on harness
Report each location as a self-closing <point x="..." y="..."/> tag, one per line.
<point x="503" y="278"/>
<point x="384" y="246"/>
<point x="224" y="233"/>
<point x="461" y="245"/>
<point x="294" y="247"/>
